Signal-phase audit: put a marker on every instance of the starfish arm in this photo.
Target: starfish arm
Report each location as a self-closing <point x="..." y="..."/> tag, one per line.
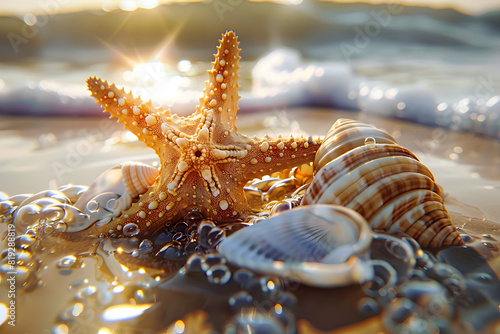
<point x="221" y="91"/>
<point x="142" y="119"/>
<point x="269" y="155"/>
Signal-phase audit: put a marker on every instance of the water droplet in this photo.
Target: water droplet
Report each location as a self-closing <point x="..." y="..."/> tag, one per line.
<point x="370" y="141"/>
<point x="288" y="300"/>
<point x="193" y="264"/>
<point x="252" y="320"/>
<point x="85" y="292"/>
<point x="131" y="230"/>
<point x="25" y="241"/>
<point x="243" y="276"/>
<point x="193" y="217"/>
<point x="239" y="300"/>
<point x="368" y="306"/>
<point x="59" y="227"/>
<point x="6" y="208"/>
<point x="212" y="259"/>
<point x="171" y="251"/>
<point x="218" y="274"/>
<point x="286" y="317"/>
<point x="66" y="261"/>
<point x="385" y="277"/>
<point x="145" y="247"/>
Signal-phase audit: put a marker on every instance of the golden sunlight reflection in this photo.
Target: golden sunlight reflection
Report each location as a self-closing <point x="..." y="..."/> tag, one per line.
<point x="124" y="312"/>
<point x="179" y="327"/>
<point x="104" y="330"/>
<point x="4" y="313"/>
<point x="34" y="7"/>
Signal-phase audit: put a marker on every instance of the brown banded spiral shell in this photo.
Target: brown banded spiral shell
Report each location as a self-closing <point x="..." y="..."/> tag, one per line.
<point x="363" y="168"/>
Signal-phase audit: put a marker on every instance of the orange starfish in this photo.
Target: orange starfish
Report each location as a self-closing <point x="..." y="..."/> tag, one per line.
<point x="205" y="162"/>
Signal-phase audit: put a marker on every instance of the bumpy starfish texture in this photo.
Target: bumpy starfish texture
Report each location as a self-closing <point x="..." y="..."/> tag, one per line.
<point x="205" y="162"/>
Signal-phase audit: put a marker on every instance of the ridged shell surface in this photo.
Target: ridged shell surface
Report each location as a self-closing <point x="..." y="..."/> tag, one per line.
<point x="363" y="168"/>
<point x="128" y="179"/>
<point x="320" y="245"/>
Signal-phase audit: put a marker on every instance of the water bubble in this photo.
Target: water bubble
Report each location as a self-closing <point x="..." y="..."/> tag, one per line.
<point x="93" y="206"/>
<point x="59" y="227"/>
<point x="398" y="311"/>
<point x="385" y="277"/>
<point x="26" y="217"/>
<point x="240" y="300"/>
<point x="370" y="141"/>
<point x="212" y="259"/>
<point x="425" y="262"/>
<point x="243" y="276"/>
<point x="171" y="251"/>
<point x="191" y="247"/>
<point x="6" y="207"/>
<point x="288" y="300"/>
<point x="25" y="241"/>
<point x="368" y="306"/>
<point x="104" y="297"/>
<point x="253" y="321"/>
<point x="286" y="317"/>
<point x="131" y="229"/>
<point x="163" y="239"/>
<point x="180" y="227"/>
<point x="450" y="277"/>
<point x="215" y="236"/>
<point x="402" y="316"/>
<point x="194" y="263"/>
<point x="66" y="261"/>
<point x="85" y="292"/>
<point x="180" y="237"/>
<point x="145" y="247"/>
<point x="74" y="219"/>
<point x="193" y="217"/>
<point x="218" y="274"/>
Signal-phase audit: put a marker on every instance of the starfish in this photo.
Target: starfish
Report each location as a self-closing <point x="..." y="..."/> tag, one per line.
<point x="204" y="161"/>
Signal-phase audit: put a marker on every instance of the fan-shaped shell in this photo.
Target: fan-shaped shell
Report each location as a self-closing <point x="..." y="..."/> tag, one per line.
<point x="363" y="168"/>
<point x="321" y="245"/>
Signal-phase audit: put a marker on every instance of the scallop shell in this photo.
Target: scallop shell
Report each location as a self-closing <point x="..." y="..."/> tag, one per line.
<point x="128" y="180"/>
<point x="320" y="245"/>
<point x="363" y="168"/>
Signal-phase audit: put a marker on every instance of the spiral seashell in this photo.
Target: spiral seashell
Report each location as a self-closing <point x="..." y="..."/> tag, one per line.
<point x="128" y="180"/>
<point x="320" y="245"/>
<point x="363" y="168"/>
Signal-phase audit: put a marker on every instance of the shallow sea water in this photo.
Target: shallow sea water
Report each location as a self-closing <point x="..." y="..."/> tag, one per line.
<point x="85" y="288"/>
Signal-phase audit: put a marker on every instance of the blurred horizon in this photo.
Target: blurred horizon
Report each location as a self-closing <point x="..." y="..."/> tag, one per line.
<point x="35" y="7"/>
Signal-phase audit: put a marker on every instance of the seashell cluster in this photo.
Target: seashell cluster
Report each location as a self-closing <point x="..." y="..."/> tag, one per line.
<point x="363" y="168"/>
<point x="320" y="245"/>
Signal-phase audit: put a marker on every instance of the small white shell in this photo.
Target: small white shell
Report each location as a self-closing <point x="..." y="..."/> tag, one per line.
<point x="320" y="245"/>
<point x="128" y="180"/>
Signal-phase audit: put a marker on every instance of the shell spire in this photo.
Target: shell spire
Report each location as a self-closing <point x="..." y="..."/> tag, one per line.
<point x="221" y="91"/>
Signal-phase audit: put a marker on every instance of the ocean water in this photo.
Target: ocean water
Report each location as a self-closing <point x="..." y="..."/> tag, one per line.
<point x="432" y="67"/>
